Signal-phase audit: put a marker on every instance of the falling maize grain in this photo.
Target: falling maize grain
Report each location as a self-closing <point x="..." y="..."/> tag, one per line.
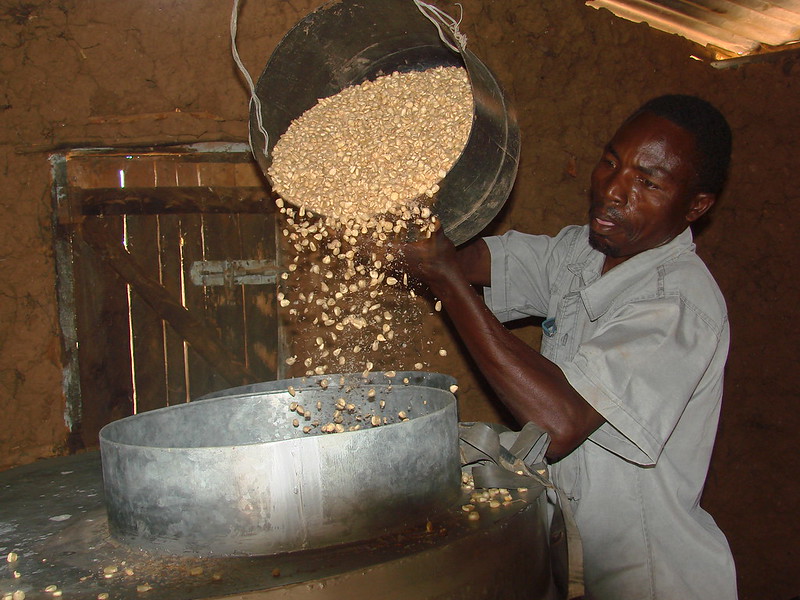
<point x="377" y="174"/>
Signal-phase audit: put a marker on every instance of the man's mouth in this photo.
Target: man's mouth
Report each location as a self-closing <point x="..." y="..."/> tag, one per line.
<point x="604" y="216"/>
<point x="603" y="219"/>
<point x="603" y="222"/>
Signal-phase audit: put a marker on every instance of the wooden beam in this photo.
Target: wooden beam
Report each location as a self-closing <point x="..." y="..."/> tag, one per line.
<point x="173" y="200"/>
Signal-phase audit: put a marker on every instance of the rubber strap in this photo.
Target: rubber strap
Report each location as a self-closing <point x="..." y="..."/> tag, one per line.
<point x="498" y="457"/>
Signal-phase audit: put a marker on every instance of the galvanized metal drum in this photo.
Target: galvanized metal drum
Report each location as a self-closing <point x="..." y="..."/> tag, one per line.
<point x="233" y="475"/>
<point x="347" y="42"/>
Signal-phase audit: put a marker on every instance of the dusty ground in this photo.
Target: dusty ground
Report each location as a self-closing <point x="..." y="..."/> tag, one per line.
<point x="100" y="73"/>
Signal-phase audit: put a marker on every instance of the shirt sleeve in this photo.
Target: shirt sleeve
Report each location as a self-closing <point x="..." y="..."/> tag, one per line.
<point x="639" y="371"/>
<point x="520" y="272"/>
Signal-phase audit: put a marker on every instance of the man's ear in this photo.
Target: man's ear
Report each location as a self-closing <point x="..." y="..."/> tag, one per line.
<point x="700" y="205"/>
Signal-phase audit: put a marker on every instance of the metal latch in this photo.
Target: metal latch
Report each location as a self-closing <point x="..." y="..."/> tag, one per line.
<point x="234" y="272"/>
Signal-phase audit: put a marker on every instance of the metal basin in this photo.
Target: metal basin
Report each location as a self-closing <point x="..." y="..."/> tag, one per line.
<point x="231" y="475"/>
<point x="347" y="42"/>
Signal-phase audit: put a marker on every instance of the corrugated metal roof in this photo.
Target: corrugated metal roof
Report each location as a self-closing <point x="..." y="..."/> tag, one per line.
<point x="728" y="29"/>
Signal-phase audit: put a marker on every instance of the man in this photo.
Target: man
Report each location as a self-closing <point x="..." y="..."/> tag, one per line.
<point x="628" y="383"/>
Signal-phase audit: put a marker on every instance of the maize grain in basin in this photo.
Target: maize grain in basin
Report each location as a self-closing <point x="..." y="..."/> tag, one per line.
<point x="374" y="148"/>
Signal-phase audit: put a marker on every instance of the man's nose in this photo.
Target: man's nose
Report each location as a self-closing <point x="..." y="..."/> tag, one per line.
<point x="617" y="188"/>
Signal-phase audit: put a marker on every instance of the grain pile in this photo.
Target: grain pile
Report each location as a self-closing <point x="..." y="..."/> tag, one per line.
<point x="375" y="149"/>
<point x="354" y="172"/>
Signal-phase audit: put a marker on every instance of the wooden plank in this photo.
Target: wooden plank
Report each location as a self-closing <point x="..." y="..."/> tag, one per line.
<point x="258" y="324"/>
<point x="93" y="158"/>
<point x="173" y="200"/>
<point x="137" y="174"/>
<point x="172" y="281"/>
<point x="190" y="325"/>
<point x="221" y="241"/>
<point x="147" y="347"/>
<point x="64" y="258"/>
<point x="103" y="352"/>
<point x="89" y="169"/>
<point x="165" y="174"/>
<point x="260" y="309"/>
<point x="202" y="379"/>
<point x="224" y="302"/>
<point x="187" y="174"/>
<point x="89" y="173"/>
<point x="249" y="174"/>
<point x="216" y="174"/>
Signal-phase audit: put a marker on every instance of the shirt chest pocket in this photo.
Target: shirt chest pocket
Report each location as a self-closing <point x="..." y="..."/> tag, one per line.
<point x="549" y="332"/>
<point x="561" y="334"/>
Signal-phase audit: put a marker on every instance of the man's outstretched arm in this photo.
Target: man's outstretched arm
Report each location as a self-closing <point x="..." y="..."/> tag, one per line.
<point x="531" y="386"/>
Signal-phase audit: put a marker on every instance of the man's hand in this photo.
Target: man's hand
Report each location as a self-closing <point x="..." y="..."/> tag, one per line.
<point x="434" y="260"/>
<point x="429" y="260"/>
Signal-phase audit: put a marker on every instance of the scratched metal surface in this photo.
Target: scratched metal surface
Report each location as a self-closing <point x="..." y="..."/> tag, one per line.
<point x="52" y="515"/>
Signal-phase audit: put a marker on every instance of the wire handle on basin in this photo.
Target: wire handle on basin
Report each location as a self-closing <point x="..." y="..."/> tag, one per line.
<point x="440" y="18"/>
<point x="254" y="99"/>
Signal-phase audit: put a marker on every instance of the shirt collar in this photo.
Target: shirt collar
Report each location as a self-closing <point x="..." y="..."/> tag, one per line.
<point x="599" y="292"/>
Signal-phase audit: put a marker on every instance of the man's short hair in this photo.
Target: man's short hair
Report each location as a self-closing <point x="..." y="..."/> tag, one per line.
<point x="711" y="131"/>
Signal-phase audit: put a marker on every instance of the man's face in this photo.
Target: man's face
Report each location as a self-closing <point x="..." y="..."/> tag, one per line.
<point x="643" y="188"/>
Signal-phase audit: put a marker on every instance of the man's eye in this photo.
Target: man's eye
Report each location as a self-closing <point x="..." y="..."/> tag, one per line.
<point x="650" y="185"/>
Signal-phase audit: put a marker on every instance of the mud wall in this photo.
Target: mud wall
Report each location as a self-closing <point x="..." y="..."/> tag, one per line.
<point x="108" y="73"/>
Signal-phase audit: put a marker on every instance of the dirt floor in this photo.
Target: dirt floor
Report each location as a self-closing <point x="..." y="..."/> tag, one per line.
<point x="115" y="73"/>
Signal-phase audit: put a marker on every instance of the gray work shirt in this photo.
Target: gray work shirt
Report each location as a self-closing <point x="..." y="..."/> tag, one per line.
<point x="645" y="345"/>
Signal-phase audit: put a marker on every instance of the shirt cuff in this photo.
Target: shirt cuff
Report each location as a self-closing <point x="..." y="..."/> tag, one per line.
<point x="622" y="433"/>
<point x="496" y="295"/>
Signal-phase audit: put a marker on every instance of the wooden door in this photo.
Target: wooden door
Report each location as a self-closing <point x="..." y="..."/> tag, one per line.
<point x="167" y="269"/>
